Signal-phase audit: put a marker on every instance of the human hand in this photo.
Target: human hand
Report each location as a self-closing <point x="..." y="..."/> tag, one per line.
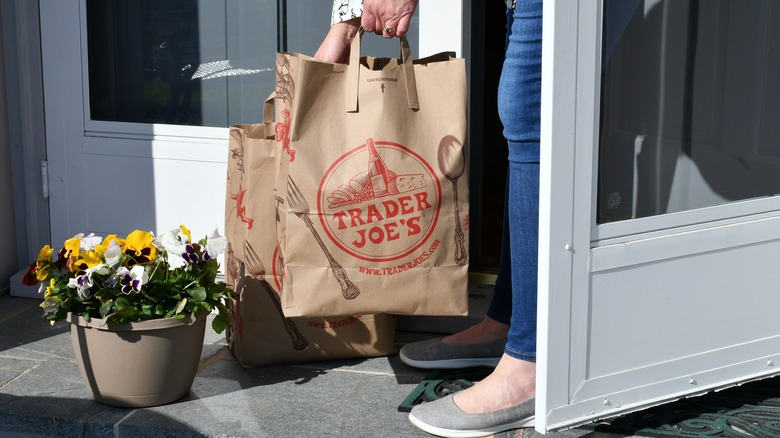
<point x="335" y="46"/>
<point x="388" y="17"/>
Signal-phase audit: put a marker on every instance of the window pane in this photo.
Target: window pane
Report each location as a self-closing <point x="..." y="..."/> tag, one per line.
<point x="184" y="62"/>
<point x="690" y="102"/>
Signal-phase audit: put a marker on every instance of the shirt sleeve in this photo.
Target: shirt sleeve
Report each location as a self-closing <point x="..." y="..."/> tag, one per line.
<point x="344" y="10"/>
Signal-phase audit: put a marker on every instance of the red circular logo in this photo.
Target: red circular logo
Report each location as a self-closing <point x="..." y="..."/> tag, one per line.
<point x="380" y="201"/>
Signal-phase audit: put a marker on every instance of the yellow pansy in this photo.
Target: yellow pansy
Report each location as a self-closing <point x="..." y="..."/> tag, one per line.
<point x="140" y="245"/>
<point x="113" y="237"/>
<point x="49" y="289"/>
<point x="187" y="233"/>
<point x="72" y="250"/>
<point x="90" y="259"/>
<point x="44" y="265"/>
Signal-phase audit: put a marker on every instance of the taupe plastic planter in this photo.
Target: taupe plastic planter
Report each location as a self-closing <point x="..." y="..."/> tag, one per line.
<point x="138" y="364"/>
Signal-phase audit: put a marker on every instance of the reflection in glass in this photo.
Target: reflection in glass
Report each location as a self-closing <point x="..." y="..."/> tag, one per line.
<point x="185" y="62"/>
<point x="690" y="104"/>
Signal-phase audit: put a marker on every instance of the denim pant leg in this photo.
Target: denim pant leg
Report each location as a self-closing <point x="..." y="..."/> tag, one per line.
<point x="501" y="305"/>
<point x="519" y="98"/>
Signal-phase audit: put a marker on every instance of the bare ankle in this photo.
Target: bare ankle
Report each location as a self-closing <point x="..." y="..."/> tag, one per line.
<point x="487" y="330"/>
<point x="513" y="381"/>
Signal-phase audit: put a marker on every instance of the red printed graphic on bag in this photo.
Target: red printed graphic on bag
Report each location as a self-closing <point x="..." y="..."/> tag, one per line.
<point x="240" y="208"/>
<point x="376" y="211"/>
<point x="282" y="131"/>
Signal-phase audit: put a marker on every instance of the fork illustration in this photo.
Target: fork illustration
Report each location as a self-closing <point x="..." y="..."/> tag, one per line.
<point x="256" y="269"/>
<point x="300" y="207"/>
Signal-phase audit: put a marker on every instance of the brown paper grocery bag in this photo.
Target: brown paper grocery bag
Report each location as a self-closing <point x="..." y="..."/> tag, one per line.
<point x="259" y="334"/>
<point x="373" y="197"/>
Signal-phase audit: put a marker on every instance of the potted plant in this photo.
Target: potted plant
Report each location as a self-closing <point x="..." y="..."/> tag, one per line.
<point x="137" y="308"/>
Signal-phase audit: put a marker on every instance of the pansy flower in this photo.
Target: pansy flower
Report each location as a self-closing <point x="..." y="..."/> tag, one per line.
<point x="113" y="254"/>
<point x="41" y="269"/>
<point x="171" y="243"/>
<point x="186" y="232"/>
<point x="49" y="289"/>
<point x="192" y="251"/>
<point x="87" y="259"/>
<point x="72" y="249"/>
<point x="139" y="245"/>
<point x="44" y="266"/>
<point x="131" y="280"/>
<point x="101" y="247"/>
<point x="75" y="246"/>
<point x="82" y="282"/>
<point x="215" y="245"/>
<point x="190" y="254"/>
<point x="62" y="259"/>
<point x="88" y="243"/>
<point x="30" y="277"/>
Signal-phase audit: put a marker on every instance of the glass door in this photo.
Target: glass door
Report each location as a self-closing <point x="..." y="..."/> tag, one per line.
<point x="179" y="62"/>
<point x="660" y="220"/>
<point x="138" y="97"/>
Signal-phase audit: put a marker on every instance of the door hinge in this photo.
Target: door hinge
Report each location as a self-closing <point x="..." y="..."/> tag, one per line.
<point x="45" y="178"/>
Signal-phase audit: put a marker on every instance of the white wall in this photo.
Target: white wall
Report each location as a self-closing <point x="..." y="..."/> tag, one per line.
<point x="8" y="260"/>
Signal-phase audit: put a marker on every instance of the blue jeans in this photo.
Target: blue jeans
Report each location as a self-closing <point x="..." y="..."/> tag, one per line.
<point x="519" y="100"/>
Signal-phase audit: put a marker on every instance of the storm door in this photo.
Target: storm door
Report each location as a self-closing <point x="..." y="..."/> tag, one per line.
<point x="660" y="220"/>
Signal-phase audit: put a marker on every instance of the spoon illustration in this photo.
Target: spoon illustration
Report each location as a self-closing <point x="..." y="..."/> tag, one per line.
<point x="452" y="164"/>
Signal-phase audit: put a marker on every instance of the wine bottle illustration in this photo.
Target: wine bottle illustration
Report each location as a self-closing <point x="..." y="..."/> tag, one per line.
<point x="378" y="173"/>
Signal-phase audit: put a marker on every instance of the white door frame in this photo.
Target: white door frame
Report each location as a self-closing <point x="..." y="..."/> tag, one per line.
<point x="437" y="33"/>
<point x="640" y="312"/>
<point x="26" y="123"/>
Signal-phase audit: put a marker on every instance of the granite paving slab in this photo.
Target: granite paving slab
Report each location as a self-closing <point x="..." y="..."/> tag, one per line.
<point x="42" y="393"/>
<point x="23" y="334"/>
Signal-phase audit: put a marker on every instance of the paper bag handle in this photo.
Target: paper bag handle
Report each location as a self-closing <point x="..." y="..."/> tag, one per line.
<point x="268" y="115"/>
<point x="354" y="73"/>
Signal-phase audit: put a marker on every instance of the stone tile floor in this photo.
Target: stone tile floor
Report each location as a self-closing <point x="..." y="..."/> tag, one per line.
<point x="42" y="393"/>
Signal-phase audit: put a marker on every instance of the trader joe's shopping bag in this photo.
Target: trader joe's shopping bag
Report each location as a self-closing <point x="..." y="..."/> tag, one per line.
<point x="374" y="195"/>
<point x="259" y="334"/>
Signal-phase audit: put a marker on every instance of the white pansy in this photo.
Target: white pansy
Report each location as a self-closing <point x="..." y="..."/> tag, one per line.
<point x="215" y="244"/>
<point x="131" y="280"/>
<point x="138" y="273"/>
<point x="113" y="254"/>
<point x="101" y="269"/>
<point x="82" y="284"/>
<point x="88" y="243"/>
<point x="170" y="241"/>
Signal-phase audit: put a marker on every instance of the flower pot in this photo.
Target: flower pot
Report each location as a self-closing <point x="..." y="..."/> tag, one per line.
<point x="138" y="364"/>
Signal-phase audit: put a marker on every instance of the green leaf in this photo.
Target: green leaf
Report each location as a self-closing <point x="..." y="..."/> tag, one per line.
<point x="220" y="323"/>
<point x="162" y="310"/>
<point x="198" y="293"/>
<point x="180" y="306"/>
<point x="121" y="303"/>
<point x="105" y="309"/>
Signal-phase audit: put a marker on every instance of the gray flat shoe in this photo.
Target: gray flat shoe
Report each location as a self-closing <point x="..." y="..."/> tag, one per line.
<point x="443" y="418"/>
<point x="435" y="354"/>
